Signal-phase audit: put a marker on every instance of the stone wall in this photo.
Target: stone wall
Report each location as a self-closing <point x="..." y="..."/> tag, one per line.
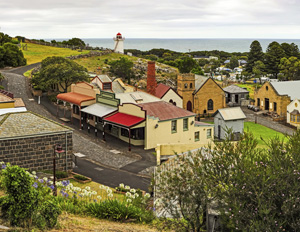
<point x="36" y="153"/>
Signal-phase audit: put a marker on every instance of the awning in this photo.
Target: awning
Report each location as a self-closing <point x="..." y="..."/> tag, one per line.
<point x="74" y="98"/>
<point x="122" y="119"/>
<point x="99" y="110"/>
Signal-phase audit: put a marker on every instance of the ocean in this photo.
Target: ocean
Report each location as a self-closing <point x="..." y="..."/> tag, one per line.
<point x="187" y="45"/>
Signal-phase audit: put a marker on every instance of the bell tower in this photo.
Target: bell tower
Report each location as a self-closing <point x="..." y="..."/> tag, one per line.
<point x="186" y="88"/>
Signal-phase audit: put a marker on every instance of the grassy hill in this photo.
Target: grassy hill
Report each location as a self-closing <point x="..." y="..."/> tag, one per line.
<point x="36" y="53"/>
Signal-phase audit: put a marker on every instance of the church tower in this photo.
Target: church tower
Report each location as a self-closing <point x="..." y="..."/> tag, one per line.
<point x="119" y="43"/>
<point x="186" y="88"/>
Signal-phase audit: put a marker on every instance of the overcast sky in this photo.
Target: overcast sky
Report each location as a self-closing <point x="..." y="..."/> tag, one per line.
<point x="151" y="18"/>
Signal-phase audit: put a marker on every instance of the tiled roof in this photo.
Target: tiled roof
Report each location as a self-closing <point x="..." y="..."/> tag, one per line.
<point x="74" y="98"/>
<point x="161" y="90"/>
<point x="4" y="98"/>
<point x="26" y="124"/>
<point x="165" y="111"/>
<point x="122" y="119"/>
<point x="235" y="89"/>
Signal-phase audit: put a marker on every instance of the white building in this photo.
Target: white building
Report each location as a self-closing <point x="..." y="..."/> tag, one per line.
<point x="293" y="113"/>
<point x="119" y="43"/>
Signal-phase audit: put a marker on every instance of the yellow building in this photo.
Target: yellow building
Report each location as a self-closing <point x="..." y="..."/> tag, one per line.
<point x="200" y="94"/>
<point x="10" y="104"/>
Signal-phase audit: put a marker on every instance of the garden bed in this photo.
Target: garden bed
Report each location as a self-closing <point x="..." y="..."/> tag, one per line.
<point x="80" y="178"/>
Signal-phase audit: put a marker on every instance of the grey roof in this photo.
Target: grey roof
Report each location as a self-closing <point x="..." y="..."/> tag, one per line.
<point x="136" y="97"/>
<point x="235" y="89"/>
<point x="203" y="124"/>
<point x="99" y="109"/>
<point x="117" y="87"/>
<point x="28" y="124"/>
<point x="290" y="88"/>
<point x="234" y="113"/>
<point x="199" y="81"/>
<point x="104" y="78"/>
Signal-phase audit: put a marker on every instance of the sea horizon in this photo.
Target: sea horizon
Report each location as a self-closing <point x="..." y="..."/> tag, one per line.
<point x="184" y="44"/>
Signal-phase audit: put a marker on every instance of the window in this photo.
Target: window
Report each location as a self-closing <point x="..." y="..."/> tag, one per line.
<point x="191" y="85"/>
<point x="99" y="120"/>
<point x="298" y="118"/>
<point x="210" y="105"/>
<point x="185" y="124"/>
<point x="197" y="136"/>
<point x="138" y="133"/>
<point x="174" y="126"/>
<point x="185" y="85"/>
<point x="106" y="85"/>
<point x="267" y="88"/>
<point x="242" y="95"/>
<point x="208" y="133"/>
<point x="258" y="101"/>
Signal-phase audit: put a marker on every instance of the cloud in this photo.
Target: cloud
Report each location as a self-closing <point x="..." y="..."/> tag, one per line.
<point x="154" y="19"/>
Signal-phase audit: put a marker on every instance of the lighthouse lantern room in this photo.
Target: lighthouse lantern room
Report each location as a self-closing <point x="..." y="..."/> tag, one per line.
<point x="119" y="43"/>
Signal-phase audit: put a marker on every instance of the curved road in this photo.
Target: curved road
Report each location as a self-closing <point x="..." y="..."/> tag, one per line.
<point x="100" y="163"/>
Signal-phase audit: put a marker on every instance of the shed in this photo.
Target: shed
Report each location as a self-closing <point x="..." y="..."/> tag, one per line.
<point x="235" y="94"/>
<point x="229" y="118"/>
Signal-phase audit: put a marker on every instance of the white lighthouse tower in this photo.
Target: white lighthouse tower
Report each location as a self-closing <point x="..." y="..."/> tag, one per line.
<point x="119" y="45"/>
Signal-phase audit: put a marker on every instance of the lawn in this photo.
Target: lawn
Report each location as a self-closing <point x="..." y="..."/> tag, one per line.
<point x="92" y="63"/>
<point x="36" y="53"/>
<point x="261" y="131"/>
<point x="250" y="88"/>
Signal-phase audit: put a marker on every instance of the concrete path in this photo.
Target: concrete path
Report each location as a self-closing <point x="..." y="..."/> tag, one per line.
<point x="93" y="147"/>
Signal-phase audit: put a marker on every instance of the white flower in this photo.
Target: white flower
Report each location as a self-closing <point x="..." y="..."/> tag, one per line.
<point x="136" y="195"/>
<point x="33" y="173"/>
<point x="99" y="197"/>
<point x="127" y="187"/>
<point x="157" y="202"/>
<point x="129" y="200"/>
<point x="109" y="191"/>
<point x="50" y="182"/>
<point x="132" y="190"/>
<point x="147" y="195"/>
<point x="128" y="194"/>
<point x="102" y="186"/>
<point x="121" y="185"/>
<point x="45" y="178"/>
<point x="88" y="188"/>
<point x="110" y="195"/>
<point x="132" y="196"/>
<point x="94" y="193"/>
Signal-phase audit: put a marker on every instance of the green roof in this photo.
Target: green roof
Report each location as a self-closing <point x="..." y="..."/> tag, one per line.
<point x="28" y="124"/>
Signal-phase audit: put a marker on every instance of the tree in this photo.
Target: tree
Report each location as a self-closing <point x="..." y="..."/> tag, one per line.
<point x="13" y="56"/>
<point x="197" y="70"/>
<point x="290" y="68"/>
<point x="4" y="38"/>
<point x="59" y="71"/>
<point x="75" y="42"/>
<point x="258" y="69"/>
<point x="233" y="62"/>
<point x="273" y="56"/>
<point x="255" y="54"/>
<point x="122" y="68"/>
<point x="290" y="50"/>
<point x="186" y="64"/>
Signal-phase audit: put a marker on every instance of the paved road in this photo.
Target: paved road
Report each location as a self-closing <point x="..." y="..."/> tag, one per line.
<point x="93" y="147"/>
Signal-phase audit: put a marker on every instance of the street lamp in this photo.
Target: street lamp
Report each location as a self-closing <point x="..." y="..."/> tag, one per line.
<point x="56" y="154"/>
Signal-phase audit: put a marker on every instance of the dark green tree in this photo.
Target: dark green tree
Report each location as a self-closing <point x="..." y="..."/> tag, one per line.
<point x="59" y="71"/>
<point x="233" y="62"/>
<point x="290" y="50"/>
<point x="255" y="54"/>
<point x="197" y="70"/>
<point x="75" y="42"/>
<point x="289" y="68"/>
<point x="273" y="56"/>
<point x="258" y="69"/>
<point x="122" y="68"/>
<point x="186" y="65"/>
<point x="4" y="38"/>
<point x="13" y="56"/>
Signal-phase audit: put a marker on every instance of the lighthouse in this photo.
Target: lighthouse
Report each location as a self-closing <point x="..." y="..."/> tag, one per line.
<point x="119" y="45"/>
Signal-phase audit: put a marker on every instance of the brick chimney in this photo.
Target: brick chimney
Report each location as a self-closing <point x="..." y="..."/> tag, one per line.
<point x="151" y="81"/>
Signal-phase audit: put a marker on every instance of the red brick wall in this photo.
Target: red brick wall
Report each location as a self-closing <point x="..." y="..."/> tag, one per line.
<point x="151" y="81"/>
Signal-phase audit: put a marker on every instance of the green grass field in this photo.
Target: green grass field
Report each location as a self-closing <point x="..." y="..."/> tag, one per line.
<point x="36" y="53"/>
<point x="92" y="63"/>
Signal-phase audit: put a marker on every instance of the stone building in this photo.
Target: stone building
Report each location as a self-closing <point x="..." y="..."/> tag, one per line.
<point x="276" y="96"/>
<point x="200" y="94"/>
<point x="28" y="140"/>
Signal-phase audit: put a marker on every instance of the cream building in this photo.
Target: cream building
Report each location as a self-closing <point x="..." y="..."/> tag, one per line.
<point x="293" y="113"/>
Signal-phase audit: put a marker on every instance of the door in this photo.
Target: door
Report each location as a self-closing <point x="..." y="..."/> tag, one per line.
<point x="267" y="103"/>
<point x="189" y="106"/>
<point x="236" y="100"/>
<point x="219" y="132"/>
<point x="275" y="106"/>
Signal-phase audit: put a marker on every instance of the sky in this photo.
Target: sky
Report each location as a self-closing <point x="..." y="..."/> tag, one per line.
<point x="39" y="19"/>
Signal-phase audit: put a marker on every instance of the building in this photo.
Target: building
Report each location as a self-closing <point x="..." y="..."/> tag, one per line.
<point x="229" y="118"/>
<point x="28" y="140"/>
<point x="168" y="94"/>
<point x="293" y="113"/>
<point x="276" y="96"/>
<point x="103" y="82"/>
<point x="235" y="95"/>
<point x="9" y="104"/>
<point x="200" y="94"/>
<point x="119" y="43"/>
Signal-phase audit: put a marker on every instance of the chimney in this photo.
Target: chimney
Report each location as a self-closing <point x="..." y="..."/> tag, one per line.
<point x="151" y="81"/>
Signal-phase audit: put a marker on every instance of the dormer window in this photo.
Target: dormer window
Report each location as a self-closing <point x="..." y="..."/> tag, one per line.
<point x="106" y="86"/>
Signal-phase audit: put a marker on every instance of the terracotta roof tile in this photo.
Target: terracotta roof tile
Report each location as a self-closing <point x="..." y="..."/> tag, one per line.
<point x="165" y="111"/>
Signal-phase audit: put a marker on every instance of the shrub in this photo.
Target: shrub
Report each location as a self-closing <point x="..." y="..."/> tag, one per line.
<point x="80" y="177"/>
<point x="61" y="174"/>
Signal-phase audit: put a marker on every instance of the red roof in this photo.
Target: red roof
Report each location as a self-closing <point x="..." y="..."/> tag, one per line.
<point x="126" y="120"/>
<point x="161" y="90"/>
<point x="165" y="111"/>
<point x="119" y="33"/>
<point x="74" y="98"/>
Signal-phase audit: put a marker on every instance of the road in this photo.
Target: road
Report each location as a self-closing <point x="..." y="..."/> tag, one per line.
<point x="121" y="167"/>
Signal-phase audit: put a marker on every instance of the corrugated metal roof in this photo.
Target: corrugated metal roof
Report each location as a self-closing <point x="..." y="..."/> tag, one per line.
<point x="128" y="97"/>
<point x="235" y="89"/>
<point x="104" y="78"/>
<point x="165" y="111"/>
<point x="117" y="87"/>
<point x="234" y="113"/>
<point x="199" y="81"/>
<point x="12" y="110"/>
<point x="122" y="119"/>
<point x="290" y="88"/>
<point x="161" y="90"/>
<point x="74" y="98"/>
<point x="99" y="110"/>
